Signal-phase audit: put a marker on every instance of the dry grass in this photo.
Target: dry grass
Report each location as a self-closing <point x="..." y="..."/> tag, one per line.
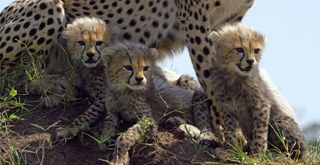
<point x="13" y="146"/>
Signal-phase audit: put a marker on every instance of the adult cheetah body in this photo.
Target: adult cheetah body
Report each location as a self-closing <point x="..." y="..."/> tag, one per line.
<point x="28" y="25"/>
<point x="167" y="25"/>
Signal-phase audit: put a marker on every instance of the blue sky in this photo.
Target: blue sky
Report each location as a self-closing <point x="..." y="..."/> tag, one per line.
<point x="291" y="58"/>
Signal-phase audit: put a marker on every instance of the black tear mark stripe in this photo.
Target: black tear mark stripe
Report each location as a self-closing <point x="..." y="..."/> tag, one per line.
<point x="243" y="53"/>
<point x="130" y="60"/>
<point x="97" y="49"/>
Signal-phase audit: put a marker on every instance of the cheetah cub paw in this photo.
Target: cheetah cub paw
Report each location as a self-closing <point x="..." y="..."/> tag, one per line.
<point x="121" y="159"/>
<point x="50" y="101"/>
<point x="66" y="133"/>
<point x="201" y="137"/>
<point x="188" y="83"/>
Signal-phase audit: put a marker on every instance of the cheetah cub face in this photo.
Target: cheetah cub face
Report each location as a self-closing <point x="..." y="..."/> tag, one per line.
<point x="86" y="38"/>
<point x="239" y="49"/>
<point x="129" y="66"/>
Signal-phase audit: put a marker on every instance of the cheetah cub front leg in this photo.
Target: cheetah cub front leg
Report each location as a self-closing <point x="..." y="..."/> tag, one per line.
<point x="82" y="122"/>
<point x="144" y="127"/>
<point x="128" y="139"/>
<point x="258" y="143"/>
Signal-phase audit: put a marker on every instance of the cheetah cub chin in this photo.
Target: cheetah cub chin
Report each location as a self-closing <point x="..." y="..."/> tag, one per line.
<point x="243" y="97"/>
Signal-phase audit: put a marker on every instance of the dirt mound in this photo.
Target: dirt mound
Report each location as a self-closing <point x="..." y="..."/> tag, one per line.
<point x="36" y="132"/>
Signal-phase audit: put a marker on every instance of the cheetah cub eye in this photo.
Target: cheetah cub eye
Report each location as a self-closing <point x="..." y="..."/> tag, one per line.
<point x="81" y="43"/>
<point x="146" y="68"/>
<point x="128" y="67"/>
<point x="99" y="43"/>
<point x="239" y="50"/>
<point x="257" y="50"/>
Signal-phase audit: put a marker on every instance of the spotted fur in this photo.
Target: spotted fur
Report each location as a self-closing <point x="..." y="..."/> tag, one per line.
<point x="28" y="25"/>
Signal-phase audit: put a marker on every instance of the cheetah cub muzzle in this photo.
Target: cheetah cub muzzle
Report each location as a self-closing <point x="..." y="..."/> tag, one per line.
<point x="242" y="97"/>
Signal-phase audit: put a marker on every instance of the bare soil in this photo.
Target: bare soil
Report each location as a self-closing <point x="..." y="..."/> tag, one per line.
<point x="36" y="134"/>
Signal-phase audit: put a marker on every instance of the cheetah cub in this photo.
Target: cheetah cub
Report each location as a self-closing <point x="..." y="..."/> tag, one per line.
<point x="242" y="96"/>
<point x="128" y="68"/>
<point x="84" y="40"/>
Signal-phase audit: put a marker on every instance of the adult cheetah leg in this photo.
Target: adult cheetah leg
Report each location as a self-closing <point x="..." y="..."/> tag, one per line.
<point x="195" y="18"/>
<point x="33" y="25"/>
<point x="206" y="118"/>
<point x="197" y="28"/>
<point x="202" y="116"/>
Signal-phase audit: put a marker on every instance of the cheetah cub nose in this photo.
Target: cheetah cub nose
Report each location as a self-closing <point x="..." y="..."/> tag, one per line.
<point x="90" y="54"/>
<point x="139" y="79"/>
<point x="250" y="62"/>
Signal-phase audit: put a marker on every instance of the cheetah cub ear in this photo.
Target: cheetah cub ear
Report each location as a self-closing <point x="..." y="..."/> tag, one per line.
<point x="215" y="37"/>
<point x="152" y="53"/>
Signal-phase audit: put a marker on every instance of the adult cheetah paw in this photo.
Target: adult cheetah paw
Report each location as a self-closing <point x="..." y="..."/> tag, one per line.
<point x="201" y="137"/>
<point x="120" y="159"/>
<point x="209" y="139"/>
<point x="66" y="133"/>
